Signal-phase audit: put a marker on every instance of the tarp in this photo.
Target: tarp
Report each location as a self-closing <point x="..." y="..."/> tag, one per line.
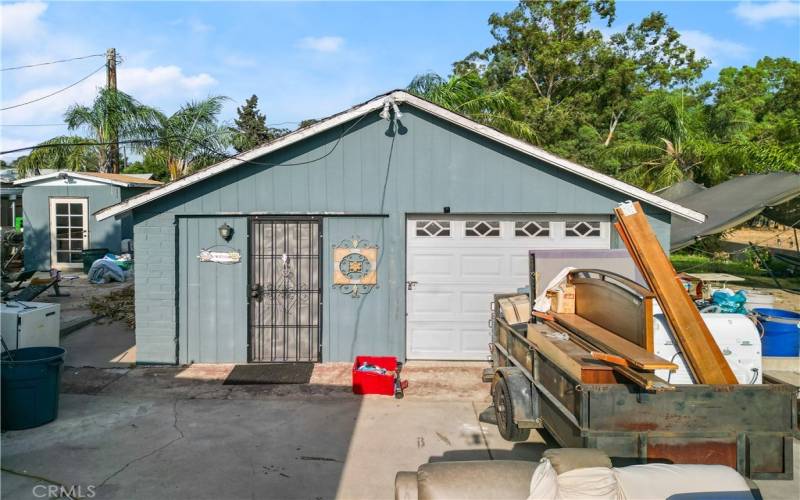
<point x="729" y="204"/>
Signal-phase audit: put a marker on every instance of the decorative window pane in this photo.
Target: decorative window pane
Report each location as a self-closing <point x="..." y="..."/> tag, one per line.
<point x="482" y="228"/>
<point x="74" y="209"/>
<point x="532" y="229"/>
<point x="433" y="228"/>
<point x="583" y="229"/>
<point x="61" y="208"/>
<point x="62" y="221"/>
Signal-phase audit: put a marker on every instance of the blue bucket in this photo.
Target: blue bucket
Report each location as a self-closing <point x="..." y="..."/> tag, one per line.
<point x="781" y="332"/>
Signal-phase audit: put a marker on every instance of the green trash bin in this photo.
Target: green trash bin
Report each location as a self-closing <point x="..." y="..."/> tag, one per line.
<point x="90" y="255"/>
<point x="31" y="378"/>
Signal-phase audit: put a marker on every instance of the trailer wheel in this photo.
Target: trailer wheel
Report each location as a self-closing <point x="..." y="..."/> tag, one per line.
<point x="504" y="412"/>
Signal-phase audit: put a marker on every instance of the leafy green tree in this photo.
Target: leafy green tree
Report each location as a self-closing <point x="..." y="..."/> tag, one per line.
<point x="574" y="86"/>
<point x="151" y="162"/>
<point x="675" y="140"/>
<point x="191" y="138"/>
<point x="467" y="94"/>
<point x="251" y="127"/>
<point x="66" y="152"/>
<point x="114" y="116"/>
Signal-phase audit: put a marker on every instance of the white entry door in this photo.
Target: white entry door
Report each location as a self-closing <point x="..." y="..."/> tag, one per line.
<point x="455" y="264"/>
<point x="69" y="231"/>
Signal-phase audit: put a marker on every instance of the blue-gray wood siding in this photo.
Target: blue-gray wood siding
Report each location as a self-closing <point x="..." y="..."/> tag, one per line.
<point x="102" y="234"/>
<point x="426" y="165"/>
<point x="218" y="289"/>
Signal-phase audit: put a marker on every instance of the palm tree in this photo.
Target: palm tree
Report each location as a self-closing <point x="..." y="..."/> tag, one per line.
<point x="191" y="138"/>
<point x="467" y="94"/>
<point x="675" y="141"/>
<point x="65" y="152"/>
<point x="114" y="116"/>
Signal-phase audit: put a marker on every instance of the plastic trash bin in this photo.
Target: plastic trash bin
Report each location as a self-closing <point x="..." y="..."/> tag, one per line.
<point x="31" y="377"/>
<point x="781" y="332"/>
<point x="374" y="383"/>
<point x="90" y="255"/>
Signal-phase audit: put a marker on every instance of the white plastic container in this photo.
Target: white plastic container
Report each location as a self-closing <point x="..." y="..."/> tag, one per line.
<point x="736" y="336"/>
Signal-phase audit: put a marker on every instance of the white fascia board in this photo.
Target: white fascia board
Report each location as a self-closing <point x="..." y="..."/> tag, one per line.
<point x="438" y="111"/>
<point x="543" y="155"/>
<point x="224" y="165"/>
<point x="75" y="175"/>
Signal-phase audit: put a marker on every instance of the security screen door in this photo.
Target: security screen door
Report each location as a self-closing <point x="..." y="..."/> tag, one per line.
<point x="69" y="231"/>
<point x="285" y="290"/>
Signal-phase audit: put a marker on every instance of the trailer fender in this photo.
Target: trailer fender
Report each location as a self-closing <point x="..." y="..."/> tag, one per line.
<point x="524" y="397"/>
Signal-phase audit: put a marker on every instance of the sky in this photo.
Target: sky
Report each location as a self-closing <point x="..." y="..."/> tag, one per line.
<point x="303" y="60"/>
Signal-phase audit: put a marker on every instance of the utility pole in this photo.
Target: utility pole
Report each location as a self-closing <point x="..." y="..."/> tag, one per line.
<point x="111" y="84"/>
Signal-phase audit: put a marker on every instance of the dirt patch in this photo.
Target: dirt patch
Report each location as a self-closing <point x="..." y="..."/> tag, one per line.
<point x="771" y="238"/>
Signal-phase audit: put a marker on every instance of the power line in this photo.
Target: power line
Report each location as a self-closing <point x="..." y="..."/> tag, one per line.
<point x="73" y="144"/>
<point x="54" y="93"/>
<point x="200" y="143"/>
<point x="52" y="62"/>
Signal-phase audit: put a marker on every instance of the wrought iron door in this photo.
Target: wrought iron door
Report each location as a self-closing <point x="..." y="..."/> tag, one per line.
<point x="285" y="290"/>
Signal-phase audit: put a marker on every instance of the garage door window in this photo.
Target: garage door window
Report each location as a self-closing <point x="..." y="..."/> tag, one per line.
<point x="583" y="229"/>
<point x="433" y="228"/>
<point x="532" y="229"/>
<point x="482" y="228"/>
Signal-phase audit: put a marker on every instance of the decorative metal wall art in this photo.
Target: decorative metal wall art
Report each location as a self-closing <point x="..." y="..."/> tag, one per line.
<point x="355" y="267"/>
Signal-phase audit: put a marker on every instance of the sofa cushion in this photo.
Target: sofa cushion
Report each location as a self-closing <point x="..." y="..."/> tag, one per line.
<point x="481" y="480"/>
<point x="566" y="459"/>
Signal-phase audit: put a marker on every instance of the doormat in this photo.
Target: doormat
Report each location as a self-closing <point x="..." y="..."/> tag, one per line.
<point x="270" y="373"/>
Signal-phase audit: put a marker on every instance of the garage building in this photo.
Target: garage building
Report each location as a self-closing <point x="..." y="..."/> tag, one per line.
<point x="368" y="232"/>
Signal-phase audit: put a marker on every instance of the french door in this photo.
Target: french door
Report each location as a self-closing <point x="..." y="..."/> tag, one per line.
<point x="69" y="231"/>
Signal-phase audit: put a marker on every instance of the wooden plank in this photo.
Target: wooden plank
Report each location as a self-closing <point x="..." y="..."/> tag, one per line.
<point x="613" y="343"/>
<point x="648" y="381"/>
<point x="568" y="356"/>
<point x="703" y="356"/>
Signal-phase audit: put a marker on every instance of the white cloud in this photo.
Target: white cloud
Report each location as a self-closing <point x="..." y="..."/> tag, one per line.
<point x="21" y="21"/>
<point x="321" y="43"/>
<point x="161" y="80"/>
<point x="763" y="12"/>
<point x="716" y="49"/>
<point x="156" y="86"/>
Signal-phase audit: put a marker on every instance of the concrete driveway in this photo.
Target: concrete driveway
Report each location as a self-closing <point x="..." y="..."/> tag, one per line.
<point x="179" y="433"/>
<point x="341" y="447"/>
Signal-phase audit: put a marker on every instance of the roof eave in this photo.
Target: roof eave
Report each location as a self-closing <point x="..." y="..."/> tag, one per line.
<point x="375" y="104"/>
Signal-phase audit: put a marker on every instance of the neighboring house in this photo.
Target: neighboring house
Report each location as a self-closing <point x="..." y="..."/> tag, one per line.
<point x="57" y="215"/>
<point x="10" y="198"/>
<point x="359" y="235"/>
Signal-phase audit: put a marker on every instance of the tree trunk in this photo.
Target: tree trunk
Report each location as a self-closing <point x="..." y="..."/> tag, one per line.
<point x="612" y="127"/>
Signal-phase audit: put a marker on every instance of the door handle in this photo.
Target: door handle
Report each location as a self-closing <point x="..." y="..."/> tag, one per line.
<point x="257" y="292"/>
<point x="411" y="284"/>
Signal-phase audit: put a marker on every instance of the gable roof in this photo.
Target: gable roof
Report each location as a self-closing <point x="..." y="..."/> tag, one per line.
<point x="375" y="104"/>
<point x="120" y="180"/>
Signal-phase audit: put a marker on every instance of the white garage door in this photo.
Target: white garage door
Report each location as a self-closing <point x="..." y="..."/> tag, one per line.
<point x="456" y="264"/>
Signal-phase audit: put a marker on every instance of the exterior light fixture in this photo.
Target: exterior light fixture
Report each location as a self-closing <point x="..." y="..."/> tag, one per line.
<point x="226" y="232"/>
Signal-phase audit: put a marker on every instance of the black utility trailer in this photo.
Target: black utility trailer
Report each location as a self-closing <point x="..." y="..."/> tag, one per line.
<point x="747" y="427"/>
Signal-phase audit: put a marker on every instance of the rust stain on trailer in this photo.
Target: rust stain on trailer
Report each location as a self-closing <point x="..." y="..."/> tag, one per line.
<point x="696" y="452"/>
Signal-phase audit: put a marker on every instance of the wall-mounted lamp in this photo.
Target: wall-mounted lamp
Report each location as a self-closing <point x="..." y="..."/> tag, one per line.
<point x="389" y="103"/>
<point x="226" y="232"/>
